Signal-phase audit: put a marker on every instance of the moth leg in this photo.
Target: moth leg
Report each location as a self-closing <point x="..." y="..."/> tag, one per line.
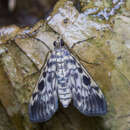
<point x="92" y="63"/>
<point x="74" y="44"/>
<point x="49" y="50"/>
<point x="46" y="47"/>
<point x="82" y="60"/>
<point x="44" y="62"/>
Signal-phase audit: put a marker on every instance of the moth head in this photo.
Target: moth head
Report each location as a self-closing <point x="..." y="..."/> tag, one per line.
<point x="59" y="43"/>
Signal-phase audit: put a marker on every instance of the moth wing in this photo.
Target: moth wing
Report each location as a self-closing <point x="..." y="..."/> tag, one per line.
<point x="44" y="101"/>
<point x="87" y="96"/>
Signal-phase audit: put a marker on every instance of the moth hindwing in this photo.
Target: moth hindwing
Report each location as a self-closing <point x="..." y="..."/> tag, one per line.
<point x="64" y="78"/>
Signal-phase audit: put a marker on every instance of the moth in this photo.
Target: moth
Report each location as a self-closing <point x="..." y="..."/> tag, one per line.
<point x="63" y="79"/>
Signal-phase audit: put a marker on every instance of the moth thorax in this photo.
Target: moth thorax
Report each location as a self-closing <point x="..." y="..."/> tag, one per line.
<point x="64" y="95"/>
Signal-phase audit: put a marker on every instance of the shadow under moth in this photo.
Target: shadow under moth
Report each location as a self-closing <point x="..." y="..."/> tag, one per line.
<point x="63" y="78"/>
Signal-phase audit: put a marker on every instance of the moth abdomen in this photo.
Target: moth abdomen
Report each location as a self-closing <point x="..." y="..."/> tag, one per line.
<point x="64" y="95"/>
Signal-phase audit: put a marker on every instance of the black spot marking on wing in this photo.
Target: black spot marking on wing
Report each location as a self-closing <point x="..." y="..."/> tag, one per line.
<point x="41" y="85"/>
<point x="34" y="94"/>
<point x="80" y="70"/>
<point x="86" y="80"/>
<point x="49" y="79"/>
<point x="75" y="75"/>
<point x="44" y="74"/>
<point x="96" y="88"/>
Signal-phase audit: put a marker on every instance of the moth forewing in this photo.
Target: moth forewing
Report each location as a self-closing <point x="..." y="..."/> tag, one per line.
<point x="44" y="101"/>
<point x="88" y="92"/>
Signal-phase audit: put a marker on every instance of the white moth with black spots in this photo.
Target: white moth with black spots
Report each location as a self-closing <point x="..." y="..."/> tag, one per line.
<point x="64" y="78"/>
